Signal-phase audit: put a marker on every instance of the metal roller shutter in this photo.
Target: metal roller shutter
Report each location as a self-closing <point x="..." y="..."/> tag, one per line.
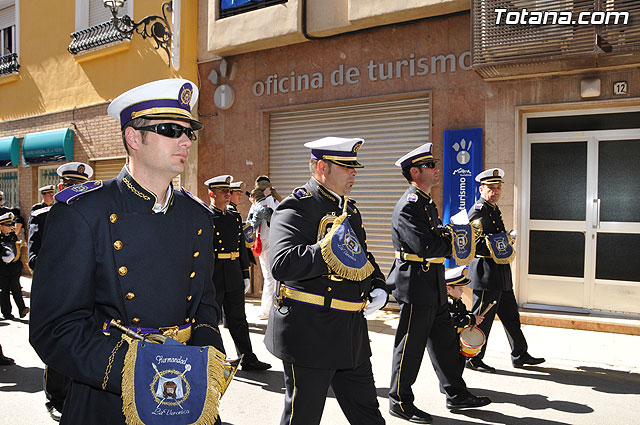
<point x="390" y="129"/>
<point x="7" y="17"/>
<point x="106" y="169"/>
<point x="98" y="13"/>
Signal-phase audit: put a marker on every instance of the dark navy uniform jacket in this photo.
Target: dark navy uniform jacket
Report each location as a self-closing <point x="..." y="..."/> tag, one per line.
<point x="484" y="273"/>
<point x="10" y="241"/>
<point x="37" y="221"/>
<point x="416" y="229"/>
<point x="310" y="335"/>
<point x="460" y="316"/>
<point x="104" y="256"/>
<point x="228" y="238"/>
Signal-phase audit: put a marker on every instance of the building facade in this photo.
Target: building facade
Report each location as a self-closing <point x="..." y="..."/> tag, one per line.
<point x="558" y="108"/>
<point x="62" y="63"/>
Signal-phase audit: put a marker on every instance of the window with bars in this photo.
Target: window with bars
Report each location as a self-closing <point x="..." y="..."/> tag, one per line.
<point x="236" y="7"/>
<point x="8" y="53"/>
<point x="94" y="27"/>
<point x="9" y="185"/>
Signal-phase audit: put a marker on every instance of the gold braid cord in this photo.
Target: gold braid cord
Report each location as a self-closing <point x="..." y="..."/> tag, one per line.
<point x="216" y="385"/>
<point x="342" y="270"/>
<point x="110" y="364"/>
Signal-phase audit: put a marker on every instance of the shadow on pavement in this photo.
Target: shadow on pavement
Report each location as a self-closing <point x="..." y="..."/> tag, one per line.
<point x="601" y="380"/>
<point x="269" y="380"/>
<point x="21" y="379"/>
<point x="492" y="417"/>
<point x="534" y="401"/>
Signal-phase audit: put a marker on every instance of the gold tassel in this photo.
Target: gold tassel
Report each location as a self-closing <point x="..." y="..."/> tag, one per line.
<point x="128" y="391"/>
<point x="349" y="273"/>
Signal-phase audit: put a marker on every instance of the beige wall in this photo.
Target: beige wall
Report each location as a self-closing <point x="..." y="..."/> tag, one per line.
<point x="281" y="25"/>
<point x="236" y="141"/>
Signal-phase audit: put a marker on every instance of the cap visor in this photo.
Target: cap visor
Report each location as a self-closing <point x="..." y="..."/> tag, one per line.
<point x="347" y="164"/>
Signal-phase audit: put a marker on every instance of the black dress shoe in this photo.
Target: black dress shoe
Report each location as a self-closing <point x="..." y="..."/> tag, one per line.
<point x="527" y="359"/>
<point x="9" y="317"/>
<point x="6" y="361"/>
<point x="469" y="402"/>
<point x="411" y="414"/>
<point x="55" y="414"/>
<point x="480" y="366"/>
<point x="255" y="365"/>
<point x="24" y="312"/>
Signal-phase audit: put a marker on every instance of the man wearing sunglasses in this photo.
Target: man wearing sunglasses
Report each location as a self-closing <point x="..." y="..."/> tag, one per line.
<point x="130" y="249"/>
<point x="417" y="279"/>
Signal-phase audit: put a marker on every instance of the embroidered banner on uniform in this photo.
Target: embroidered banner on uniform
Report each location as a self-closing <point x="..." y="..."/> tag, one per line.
<point x="500" y="248"/>
<point x="462" y="243"/>
<point x="249" y="235"/>
<point x="171" y="383"/>
<point x="343" y="253"/>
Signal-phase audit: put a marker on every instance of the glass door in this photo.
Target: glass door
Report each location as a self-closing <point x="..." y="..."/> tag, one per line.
<point x="581" y="220"/>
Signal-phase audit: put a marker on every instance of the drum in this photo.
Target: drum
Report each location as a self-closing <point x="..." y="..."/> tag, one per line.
<point x="471" y="341"/>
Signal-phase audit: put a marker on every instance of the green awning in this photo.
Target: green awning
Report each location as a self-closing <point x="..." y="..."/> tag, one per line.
<point x="9" y="152"/>
<point x="48" y="146"/>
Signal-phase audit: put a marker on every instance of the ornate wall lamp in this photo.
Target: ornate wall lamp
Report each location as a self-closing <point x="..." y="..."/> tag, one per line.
<point x="152" y="26"/>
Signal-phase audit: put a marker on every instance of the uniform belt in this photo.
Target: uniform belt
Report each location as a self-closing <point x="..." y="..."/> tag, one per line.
<point x="413" y="257"/>
<point x="287" y="292"/>
<point x="179" y="333"/>
<point x="228" y="255"/>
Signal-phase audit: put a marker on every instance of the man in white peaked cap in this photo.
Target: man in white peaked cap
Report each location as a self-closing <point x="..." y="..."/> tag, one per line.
<point x="317" y="324"/>
<point x="130" y="250"/>
<point x="491" y="281"/>
<point x="418" y="282"/>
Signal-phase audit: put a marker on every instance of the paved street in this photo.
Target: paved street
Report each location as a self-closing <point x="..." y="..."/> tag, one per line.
<point x="589" y="378"/>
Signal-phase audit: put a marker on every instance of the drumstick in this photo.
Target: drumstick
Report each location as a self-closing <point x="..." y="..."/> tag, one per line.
<point x="486" y="310"/>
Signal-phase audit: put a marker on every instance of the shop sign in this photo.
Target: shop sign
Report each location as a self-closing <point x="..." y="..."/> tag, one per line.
<point x="462" y="161"/>
<point x="410" y="67"/>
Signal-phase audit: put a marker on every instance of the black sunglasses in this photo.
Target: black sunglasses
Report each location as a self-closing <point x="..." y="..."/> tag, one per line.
<point x="427" y="165"/>
<point x="171" y="130"/>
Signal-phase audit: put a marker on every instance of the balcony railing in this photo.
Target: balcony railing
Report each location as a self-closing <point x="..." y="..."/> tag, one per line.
<point x="9" y="64"/>
<point x="578" y="34"/>
<point x="95" y="36"/>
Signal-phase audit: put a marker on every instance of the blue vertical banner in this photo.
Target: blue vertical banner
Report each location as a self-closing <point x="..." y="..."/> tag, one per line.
<point x="462" y="161"/>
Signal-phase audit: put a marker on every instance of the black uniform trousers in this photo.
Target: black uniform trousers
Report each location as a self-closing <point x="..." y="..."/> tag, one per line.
<point x="56" y="387"/>
<point x="232" y="304"/>
<point x="306" y="391"/>
<point x="10" y="285"/>
<point x="427" y="326"/>
<point x="507" y="310"/>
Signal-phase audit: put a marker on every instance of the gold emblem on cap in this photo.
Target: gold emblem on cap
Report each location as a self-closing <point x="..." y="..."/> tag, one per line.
<point x="228" y="180"/>
<point x="185" y="96"/>
<point x="81" y="168"/>
<point x="496" y="173"/>
<point x="356" y="147"/>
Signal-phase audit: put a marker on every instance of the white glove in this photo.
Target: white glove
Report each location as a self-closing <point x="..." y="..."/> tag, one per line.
<point x="247" y="285"/>
<point x="378" y="299"/>
<point x="8" y="256"/>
